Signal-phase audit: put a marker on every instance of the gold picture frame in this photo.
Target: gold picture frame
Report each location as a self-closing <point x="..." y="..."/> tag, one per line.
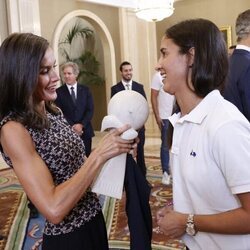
<point x="227" y="34"/>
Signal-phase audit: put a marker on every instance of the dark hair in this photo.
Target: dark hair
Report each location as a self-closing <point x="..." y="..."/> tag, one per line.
<point x="20" y="60"/>
<point x="232" y="47"/>
<point x="210" y="64"/>
<point x="124" y="63"/>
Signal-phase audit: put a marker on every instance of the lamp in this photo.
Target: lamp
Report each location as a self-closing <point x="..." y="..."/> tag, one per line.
<point x="154" y="10"/>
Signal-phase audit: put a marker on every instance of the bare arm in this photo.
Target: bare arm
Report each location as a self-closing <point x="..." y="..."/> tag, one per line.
<point x="55" y="202"/>
<point x="235" y="221"/>
<point x="154" y="102"/>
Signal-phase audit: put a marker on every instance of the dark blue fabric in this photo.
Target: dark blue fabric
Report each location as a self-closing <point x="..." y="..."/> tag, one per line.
<point x="79" y="112"/>
<point x="164" y="146"/>
<point x="137" y="206"/>
<point x="237" y="88"/>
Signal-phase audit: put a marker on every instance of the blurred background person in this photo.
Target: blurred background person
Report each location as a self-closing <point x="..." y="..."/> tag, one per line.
<point x="76" y="102"/>
<point x="162" y="104"/>
<point x="237" y="88"/>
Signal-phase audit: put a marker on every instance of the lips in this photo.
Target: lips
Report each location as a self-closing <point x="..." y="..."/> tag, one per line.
<point x="51" y="88"/>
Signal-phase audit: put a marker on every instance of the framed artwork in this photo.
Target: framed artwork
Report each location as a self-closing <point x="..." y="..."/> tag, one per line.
<point x="227" y="34"/>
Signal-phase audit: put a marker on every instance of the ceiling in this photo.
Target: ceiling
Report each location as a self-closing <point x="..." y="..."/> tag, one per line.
<point x="118" y="3"/>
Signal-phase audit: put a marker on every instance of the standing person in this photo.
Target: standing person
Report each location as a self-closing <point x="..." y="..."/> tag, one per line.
<point x="237" y="89"/>
<point x="162" y="104"/>
<point x="127" y="83"/>
<point x="76" y="102"/>
<point x="47" y="156"/>
<point x="210" y="144"/>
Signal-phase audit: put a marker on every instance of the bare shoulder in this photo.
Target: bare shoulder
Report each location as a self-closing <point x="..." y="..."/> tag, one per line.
<point x="13" y="129"/>
<point x="15" y="138"/>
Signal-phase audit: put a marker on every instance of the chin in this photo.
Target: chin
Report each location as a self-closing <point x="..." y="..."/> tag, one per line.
<point x="51" y="97"/>
<point x="166" y="88"/>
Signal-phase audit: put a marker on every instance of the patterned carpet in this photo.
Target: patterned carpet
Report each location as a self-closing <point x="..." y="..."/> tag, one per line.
<point x="116" y="220"/>
<point x="14" y="214"/>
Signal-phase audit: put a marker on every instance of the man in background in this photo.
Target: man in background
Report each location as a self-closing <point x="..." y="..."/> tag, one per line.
<point x="76" y="103"/>
<point x="136" y="185"/>
<point x="127" y="83"/>
<point x="162" y="104"/>
<point x="237" y="89"/>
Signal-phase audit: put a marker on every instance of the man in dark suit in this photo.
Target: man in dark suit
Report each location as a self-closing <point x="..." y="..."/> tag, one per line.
<point x="237" y="89"/>
<point x="135" y="183"/>
<point x="127" y="83"/>
<point x="76" y="103"/>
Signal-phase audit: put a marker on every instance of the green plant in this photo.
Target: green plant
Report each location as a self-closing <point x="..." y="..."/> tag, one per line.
<point x="87" y="62"/>
<point x="89" y="66"/>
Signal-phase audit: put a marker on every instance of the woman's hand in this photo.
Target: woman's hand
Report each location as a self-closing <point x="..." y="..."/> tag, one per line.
<point x="112" y="144"/>
<point x="171" y="223"/>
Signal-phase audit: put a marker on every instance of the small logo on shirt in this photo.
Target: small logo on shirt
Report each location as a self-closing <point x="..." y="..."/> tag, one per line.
<point x="193" y="153"/>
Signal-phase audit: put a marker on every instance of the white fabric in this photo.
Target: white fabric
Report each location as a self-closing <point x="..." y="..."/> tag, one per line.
<point x="72" y="85"/>
<point x="240" y="46"/>
<point x="210" y="164"/>
<point x="165" y="100"/>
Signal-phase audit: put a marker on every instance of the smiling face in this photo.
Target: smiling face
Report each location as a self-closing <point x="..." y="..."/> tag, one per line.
<point x="47" y="79"/>
<point x="173" y="66"/>
<point x="127" y="72"/>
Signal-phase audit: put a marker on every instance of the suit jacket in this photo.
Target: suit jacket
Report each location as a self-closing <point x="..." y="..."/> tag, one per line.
<point x="80" y="112"/>
<point x="135" y="86"/>
<point x="237" y="88"/>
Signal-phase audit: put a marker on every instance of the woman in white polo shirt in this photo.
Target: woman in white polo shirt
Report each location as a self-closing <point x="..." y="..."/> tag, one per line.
<point x="210" y="145"/>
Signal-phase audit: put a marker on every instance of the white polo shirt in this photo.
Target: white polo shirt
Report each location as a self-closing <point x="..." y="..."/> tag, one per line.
<point x="210" y="165"/>
<point x="165" y="100"/>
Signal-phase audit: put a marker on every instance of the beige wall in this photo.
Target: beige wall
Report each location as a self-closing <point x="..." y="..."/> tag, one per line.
<point x="51" y="12"/>
<point x="221" y="12"/>
<point x="3" y="21"/>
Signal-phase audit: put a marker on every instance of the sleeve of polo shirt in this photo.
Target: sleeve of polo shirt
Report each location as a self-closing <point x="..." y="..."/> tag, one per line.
<point x="156" y="82"/>
<point x="231" y="151"/>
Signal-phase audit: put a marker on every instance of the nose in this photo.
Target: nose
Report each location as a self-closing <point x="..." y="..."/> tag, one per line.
<point x="54" y="76"/>
<point x="158" y="66"/>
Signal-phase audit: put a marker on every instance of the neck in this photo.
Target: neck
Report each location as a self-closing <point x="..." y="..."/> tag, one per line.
<point x="127" y="81"/>
<point x="245" y="41"/>
<point x="188" y="102"/>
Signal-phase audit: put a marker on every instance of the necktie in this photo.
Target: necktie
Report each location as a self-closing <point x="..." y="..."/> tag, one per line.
<point x="73" y="95"/>
<point x="127" y="86"/>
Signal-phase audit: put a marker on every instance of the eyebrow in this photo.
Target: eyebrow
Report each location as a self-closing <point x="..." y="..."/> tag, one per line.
<point x="47" y="65"/>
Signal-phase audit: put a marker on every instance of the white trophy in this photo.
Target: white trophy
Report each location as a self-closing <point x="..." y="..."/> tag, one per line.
<point x="125" y="107"/>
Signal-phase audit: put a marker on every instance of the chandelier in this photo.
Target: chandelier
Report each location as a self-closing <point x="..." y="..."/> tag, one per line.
<point x="154" y="10"/>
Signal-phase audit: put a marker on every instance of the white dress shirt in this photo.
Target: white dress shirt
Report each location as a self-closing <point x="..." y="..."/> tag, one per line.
<point x="127" y="85"/>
